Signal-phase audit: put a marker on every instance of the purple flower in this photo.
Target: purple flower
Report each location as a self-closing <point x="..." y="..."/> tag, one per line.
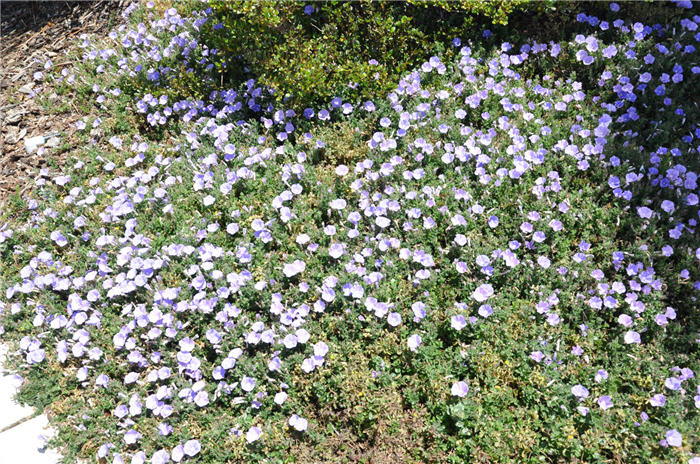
<point x="290" y="341"/>
<point x="338" y="204"/>
<point x="632" y="337"/>
<point x="58" y="237"/>
<point x="610" y="51"/>
<point x="460" y="389"/>
<point x="555" y="225"/>
<point x="247" y="384"/>
<point x="414" y="341"/>
<point x="160" y="457"/>
<point x="658" y="400"/>
<point x="601" y="375"/>
<point x="418" y="311"/>
<point x="539" y="236"/>
<point x="201" y="399"/>
<point x="674" y="438"/>
<point x="253" y="434"/>
<point x="605" y="402"/>
<point x="192" y="447"/>
<point x="121" y="411"/>
<point x="483" y="293"/>
<point x="579" y="391"/>
<point x="199" y="282"/>
<point x="673" y="383"/>
<point x="208" y="200"/>
<point x="394" y="319"/>
<point x="102" y="380"/>
<point x="177" y="453"/>
<point x="383" y="222"/>
<point x="131" y="436"/>
<point x="165" y="429"/>
<point x="294" y="268"/>
<point x="668" y="206"/>
<point x="485" y="311"/>
<point x="537" y="356"/>
<point x="644" y="212"/>
<point x="187" y="345"/>
<point x="336" y="250"/>
<point x="458" y="322"/>
<point x="320" y="349"/>
<point x="625" y="320"/>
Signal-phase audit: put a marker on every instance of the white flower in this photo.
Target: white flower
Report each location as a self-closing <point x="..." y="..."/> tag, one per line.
<point x="382" y="222"/>
<point x="336" y="250"/>
<point x="299" y="423"/>
<point x="280" y="398"/>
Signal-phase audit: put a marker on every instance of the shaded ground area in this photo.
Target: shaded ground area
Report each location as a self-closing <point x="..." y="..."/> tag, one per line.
<point x="32" y="33"/>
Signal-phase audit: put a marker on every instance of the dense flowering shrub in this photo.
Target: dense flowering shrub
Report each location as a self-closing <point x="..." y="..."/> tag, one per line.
<point x="507" y="254"/>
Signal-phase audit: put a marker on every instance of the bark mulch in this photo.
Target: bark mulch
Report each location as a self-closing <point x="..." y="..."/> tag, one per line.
<point x="32" y="32"/>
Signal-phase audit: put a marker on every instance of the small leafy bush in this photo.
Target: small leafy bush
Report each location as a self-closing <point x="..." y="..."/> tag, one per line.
<point x="313" y="52"/>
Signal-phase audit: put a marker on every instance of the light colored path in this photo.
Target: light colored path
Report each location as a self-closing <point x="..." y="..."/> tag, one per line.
<point x="22" y="436"/>
<point x="23" y="443"/>
<point x="10" y="411"/>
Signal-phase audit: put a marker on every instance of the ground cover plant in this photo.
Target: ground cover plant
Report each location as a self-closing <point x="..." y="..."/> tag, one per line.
<point x="495" y="261"/>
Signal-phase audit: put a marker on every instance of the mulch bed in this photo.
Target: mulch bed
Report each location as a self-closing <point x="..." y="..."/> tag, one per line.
<point x="33" y="32"/>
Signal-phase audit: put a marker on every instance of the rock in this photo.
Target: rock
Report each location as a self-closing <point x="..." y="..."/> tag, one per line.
<point x="32" y="144"/>
<point x="16" y="77"/>
<point x="53" y="142"/>
<point x="14" y="135"/>
<point x="26" y="88"/>
<point x="96" y="133"/>
<point x="13" y="116"/>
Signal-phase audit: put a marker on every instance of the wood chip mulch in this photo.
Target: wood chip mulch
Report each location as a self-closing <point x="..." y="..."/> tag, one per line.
<point x="30" y="34"/>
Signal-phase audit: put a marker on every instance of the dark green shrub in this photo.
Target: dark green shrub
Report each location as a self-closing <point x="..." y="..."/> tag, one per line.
<point x="312" y="56"/>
